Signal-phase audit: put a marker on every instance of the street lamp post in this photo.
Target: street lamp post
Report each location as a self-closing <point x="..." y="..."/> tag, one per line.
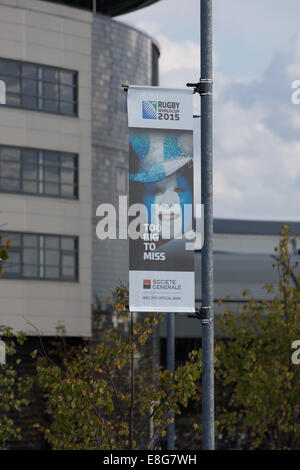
<point x="207" y="250"/>
<point x="171" y="368"/>
<point x="206" y="313"/>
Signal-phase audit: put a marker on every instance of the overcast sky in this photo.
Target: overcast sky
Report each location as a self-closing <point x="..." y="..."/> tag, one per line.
<point x="256" y="127"/>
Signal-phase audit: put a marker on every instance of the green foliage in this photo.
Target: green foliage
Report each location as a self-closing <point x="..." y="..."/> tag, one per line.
<point x="108" y="395"/>
<point x="4" y="255"/>
<point x="260" y="387"/>
<point x="13" y="389"/>
<point x="95" y="401"/>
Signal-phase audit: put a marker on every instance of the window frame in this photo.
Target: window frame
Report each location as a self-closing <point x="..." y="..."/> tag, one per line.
<point x="20" y="250"/>
<point x="21" y="180"/>
<point x="20" y="95"/>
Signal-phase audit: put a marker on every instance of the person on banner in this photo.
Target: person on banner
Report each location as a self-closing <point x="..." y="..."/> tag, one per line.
<point x="164" y="173"/>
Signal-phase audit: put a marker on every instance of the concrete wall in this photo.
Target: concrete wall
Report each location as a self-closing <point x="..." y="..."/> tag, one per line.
<point x="55" y="35"/>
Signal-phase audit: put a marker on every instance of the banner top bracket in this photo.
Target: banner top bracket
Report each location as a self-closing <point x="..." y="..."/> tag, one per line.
<point x="203" y="87"/>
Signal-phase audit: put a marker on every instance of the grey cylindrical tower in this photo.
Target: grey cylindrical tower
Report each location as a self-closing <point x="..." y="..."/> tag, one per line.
<point x="120" y="54"/>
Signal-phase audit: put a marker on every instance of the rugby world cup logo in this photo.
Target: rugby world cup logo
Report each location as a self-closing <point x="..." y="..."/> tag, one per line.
<point x="149" y="109"/>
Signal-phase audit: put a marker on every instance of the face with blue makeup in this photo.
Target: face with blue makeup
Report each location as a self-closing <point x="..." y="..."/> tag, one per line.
<point x="165" y="202"/>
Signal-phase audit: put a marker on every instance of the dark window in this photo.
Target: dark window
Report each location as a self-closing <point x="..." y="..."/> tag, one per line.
<point x="38" y="87"/>
<point x="37" y="256"/>
<point x="38" y="172"/>
<point x="155" y="71"/>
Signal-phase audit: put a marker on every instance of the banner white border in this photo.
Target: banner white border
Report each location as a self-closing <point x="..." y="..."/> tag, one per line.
<point x="137" y="94"/>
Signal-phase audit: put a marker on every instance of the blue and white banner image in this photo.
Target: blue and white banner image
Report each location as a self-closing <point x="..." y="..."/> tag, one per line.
<point x="161" y="269"/>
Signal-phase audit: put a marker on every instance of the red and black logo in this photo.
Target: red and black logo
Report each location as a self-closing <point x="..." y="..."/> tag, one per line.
<point x="147" y="283"/>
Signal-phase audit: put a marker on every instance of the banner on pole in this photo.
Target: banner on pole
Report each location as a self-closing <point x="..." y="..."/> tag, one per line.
<point x="161" y="217"/>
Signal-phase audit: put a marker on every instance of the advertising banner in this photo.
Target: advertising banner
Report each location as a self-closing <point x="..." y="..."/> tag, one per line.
<point x="161" y="218"/>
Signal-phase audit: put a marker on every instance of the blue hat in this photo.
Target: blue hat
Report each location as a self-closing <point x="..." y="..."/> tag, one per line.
<point x="160" y="155"/>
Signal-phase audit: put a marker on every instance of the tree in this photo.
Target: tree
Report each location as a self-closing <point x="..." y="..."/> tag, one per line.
<point x="260" y="399"/>
<point x="3" y="254"/>
<point x="13" y="389"/>
<point x="103" y="396"/>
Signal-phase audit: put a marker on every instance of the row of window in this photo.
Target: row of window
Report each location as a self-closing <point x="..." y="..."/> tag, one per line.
<point x="40" y="172"/>
<point x="38" y="87"/>
<point x="33" y="171"/>
<point x="44" y="173"/>
<point x="38" y="256"/>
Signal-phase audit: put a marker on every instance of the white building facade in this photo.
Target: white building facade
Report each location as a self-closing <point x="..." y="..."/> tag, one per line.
<point x="63" y="147"/>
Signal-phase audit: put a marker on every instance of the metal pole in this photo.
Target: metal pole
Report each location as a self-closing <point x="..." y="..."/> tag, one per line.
<point x="155" y="369"/>
<point x="207" y="250"/>
<point x="171" y="367"/>
<point x="131" y="424"/>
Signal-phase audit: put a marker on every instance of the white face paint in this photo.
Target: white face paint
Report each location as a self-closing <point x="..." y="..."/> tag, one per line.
<point x="167" y="206"/>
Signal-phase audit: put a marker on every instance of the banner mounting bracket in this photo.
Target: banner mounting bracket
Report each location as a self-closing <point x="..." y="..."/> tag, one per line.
<point x="201" y="314"/>
<point x="203" y="87"/>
